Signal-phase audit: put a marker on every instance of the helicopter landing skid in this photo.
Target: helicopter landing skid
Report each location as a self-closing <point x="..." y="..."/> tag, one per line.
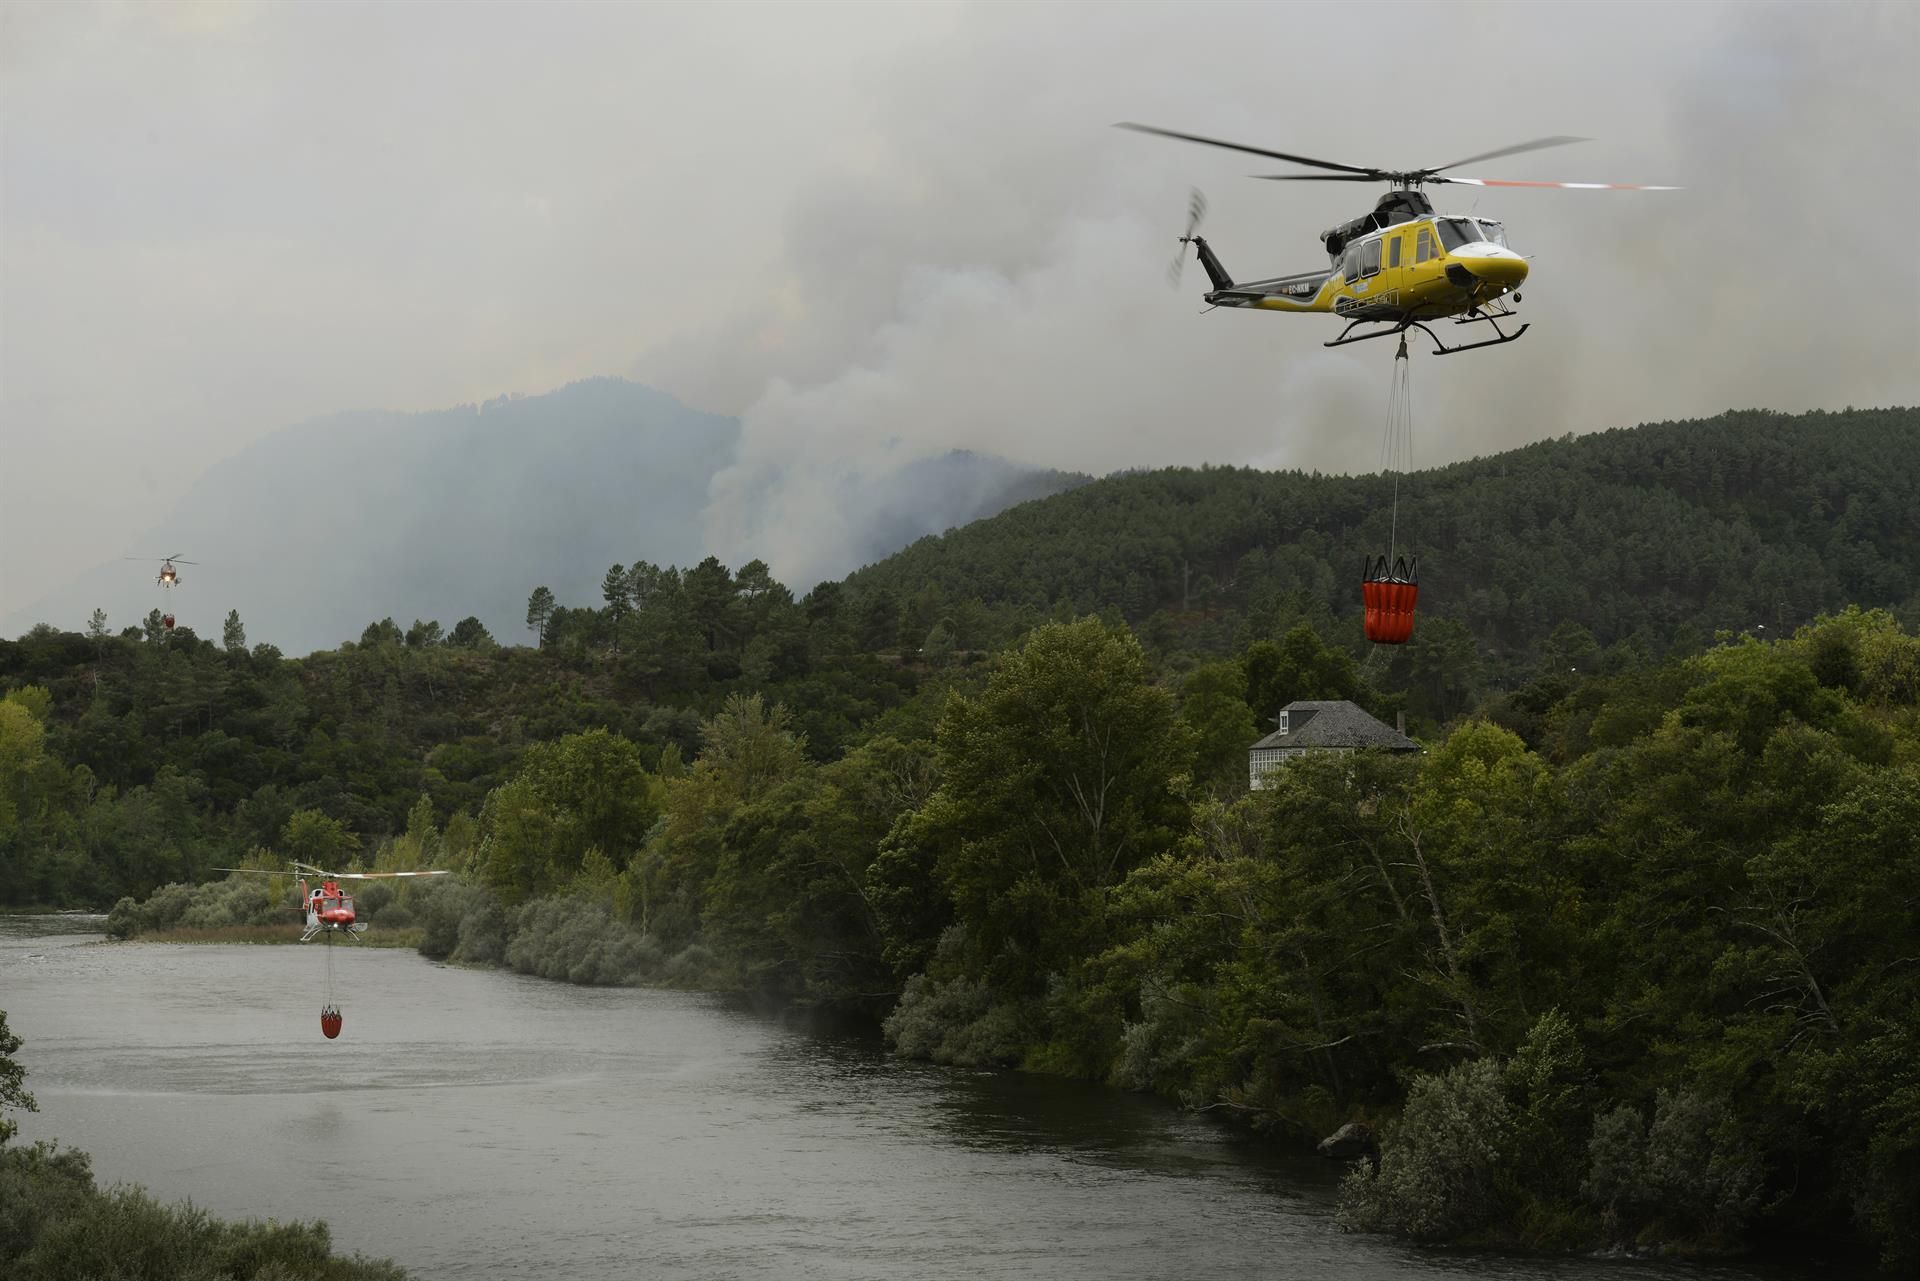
<point x="1439" y="348"/>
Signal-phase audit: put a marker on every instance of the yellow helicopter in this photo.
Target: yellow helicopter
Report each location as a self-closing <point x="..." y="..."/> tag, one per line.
<point x="1399" y="266"/>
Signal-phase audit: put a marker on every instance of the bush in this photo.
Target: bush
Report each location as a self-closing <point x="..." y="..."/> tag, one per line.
<point x="1440" y="1172"/>
<point x="1687" y="1176"/>
<point x="1699" y="1171"/>
<point x="1157" y="1053"/>
<point x="461" y="923"/>
<point x="55" y="1225"/>
<point x="953" y="1022"/>
<point x="578" y="940"/>
<point x="1616" y="1166"/>
<point x="238" y="900"/>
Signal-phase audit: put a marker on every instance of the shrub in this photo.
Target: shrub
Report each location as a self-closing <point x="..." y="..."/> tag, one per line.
<point x="1439" y="1173"/>
<point x="953" y="1022"/>
<point x="55" y="1225"/>
<point x="1688" y="1175"/>
<point x="578" y="940"/>
<point x="1616" y="1166"/>
<point x="1698" y="1169"/>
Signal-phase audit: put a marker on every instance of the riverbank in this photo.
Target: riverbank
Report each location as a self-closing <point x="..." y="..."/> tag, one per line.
<point x="57" y="1224"/>
<point x="409" y="937"/>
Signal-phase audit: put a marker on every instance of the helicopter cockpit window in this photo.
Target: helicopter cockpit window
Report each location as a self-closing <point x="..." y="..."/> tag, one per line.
<point x="1455" y="232"/>
<point x="1493" y="231"/>
<point x="1370" y="258"/>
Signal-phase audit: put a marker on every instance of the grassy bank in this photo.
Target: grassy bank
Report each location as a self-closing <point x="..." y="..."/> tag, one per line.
<point x="272" y="934"/>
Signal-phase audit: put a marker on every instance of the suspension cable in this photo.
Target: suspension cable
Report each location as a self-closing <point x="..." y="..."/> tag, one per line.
<point x="1396" y="441"/>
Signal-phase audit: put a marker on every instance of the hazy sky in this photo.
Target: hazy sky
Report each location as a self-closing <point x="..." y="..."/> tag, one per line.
<point x="876" y="231"/>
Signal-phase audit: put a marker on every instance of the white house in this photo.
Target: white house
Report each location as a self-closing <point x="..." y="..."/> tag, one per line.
<point x="1320" y="725"/>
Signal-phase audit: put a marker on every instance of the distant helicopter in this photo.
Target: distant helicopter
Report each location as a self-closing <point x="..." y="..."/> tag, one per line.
<point x="1399" y="266"/>
<point x="327" y="905"/>
<point x="168" y="574"/>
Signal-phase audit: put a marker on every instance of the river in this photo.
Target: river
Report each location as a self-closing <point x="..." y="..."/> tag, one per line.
<point x="480" y="1124"/>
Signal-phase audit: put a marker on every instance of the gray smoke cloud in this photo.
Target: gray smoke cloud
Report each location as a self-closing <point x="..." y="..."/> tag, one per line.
<point x="878" y="233"/>
<point x="993" y="281"/>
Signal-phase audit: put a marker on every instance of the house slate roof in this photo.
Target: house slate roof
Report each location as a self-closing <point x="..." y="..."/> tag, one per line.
<point x="1334" y="723"/>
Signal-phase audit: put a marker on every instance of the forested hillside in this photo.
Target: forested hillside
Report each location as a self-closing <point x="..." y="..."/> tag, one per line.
<point x="1651" y="536"/>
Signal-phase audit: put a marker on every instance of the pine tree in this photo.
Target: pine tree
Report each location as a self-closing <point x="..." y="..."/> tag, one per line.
<point x="233" y="637"/>
<point x="616" y="588"/>
<point x="97" y="625"/>
<point x="540" y="607"/>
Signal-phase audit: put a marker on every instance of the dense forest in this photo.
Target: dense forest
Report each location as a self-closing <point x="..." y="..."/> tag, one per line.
<point x="1625" y="956"/>
<point x="1645" y="537"/>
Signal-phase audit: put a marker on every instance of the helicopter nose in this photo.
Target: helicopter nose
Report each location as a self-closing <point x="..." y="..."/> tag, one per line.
<point x="1499" y="267"/>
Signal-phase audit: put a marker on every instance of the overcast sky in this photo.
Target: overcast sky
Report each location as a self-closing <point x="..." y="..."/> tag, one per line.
<point x="878" y="231"/>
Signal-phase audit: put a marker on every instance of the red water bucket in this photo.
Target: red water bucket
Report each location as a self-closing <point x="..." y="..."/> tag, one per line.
<point x="1389" y="598"/>
<point x="330" y="1021"/>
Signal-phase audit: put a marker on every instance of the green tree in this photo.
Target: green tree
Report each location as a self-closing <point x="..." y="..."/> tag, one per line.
<point x="1057" y="779"/>
<point x="97" y="625"/>
<point x="711" y="601"/>
<point x="617" y="589"/>
<point x="1300" y="666"/>
<point x="13" y="1090"/>
<point x="312" y="838"/>
<point x="423" y="635"/>
<point x="22" y="751"/>
<point x="577" y="793"/>
<point x="1214" y="709"/>
<point x="233" y="636"/>
<point x="383" y="634"/>
<point x="540" y="607"/>
<point x="470" y="633"/>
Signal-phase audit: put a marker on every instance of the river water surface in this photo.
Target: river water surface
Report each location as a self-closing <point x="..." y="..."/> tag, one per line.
<point x="476" y="1124"/>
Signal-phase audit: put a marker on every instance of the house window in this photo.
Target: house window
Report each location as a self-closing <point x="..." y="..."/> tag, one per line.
<point x="1283" y="721"/>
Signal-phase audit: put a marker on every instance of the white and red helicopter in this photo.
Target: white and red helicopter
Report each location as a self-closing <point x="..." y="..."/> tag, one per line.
<point x="327" y="905"/>
<point x="329" y="910"/>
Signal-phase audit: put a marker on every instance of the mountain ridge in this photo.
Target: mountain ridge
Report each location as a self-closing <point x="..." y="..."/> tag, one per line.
<point x="324" y="525"/>
<point x="1749" y="518"/>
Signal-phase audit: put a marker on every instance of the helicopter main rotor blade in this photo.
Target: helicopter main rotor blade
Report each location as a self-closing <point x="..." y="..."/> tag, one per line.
<point x="1254" y="151"/>
<point x="1571" y="186"/>
<point x="1538" y="144"/>
<point x="1317" y="177"/>
<point x="308" y="869"/>
<point x="380" y="876"/>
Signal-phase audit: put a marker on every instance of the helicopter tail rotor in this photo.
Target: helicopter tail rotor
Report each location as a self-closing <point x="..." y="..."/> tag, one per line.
<point x="1196" y="213"/>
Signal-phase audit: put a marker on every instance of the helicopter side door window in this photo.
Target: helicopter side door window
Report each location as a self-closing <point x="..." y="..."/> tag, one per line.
<point x="1393" y="252"/>
<point x="1425" y="251"/>
<point x="1370" y="258"/>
